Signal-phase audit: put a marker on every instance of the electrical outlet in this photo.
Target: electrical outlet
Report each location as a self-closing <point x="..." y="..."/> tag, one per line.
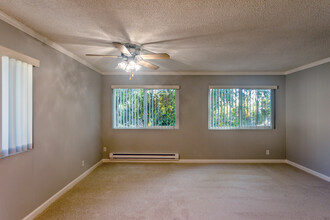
<point x="104" y="149"/>
<point x="267" y="152"/>
<point x="82" y="163"/>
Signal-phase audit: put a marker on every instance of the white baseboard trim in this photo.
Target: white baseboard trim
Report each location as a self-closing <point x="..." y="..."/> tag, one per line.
<point x="43" y="206"/>
<point x="227" y="161"/>
<point x="206" y="161"/>
<point x="231" y="161"/>
<point x="307" y="170"/>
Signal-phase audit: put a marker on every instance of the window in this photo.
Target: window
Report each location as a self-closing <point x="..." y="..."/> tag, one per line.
<point x="153" y="107"/>
<point x="16" y="102"/>
<point x="241" y="108"/>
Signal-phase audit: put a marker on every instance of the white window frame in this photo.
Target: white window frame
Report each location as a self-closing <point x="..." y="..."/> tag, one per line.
<point x="4" y="51"/>
<point x="273" y="89"/>
<point x="176" y="87"/>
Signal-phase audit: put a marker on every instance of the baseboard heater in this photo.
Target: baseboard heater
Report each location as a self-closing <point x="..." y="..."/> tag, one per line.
<point x="144" y="156"/>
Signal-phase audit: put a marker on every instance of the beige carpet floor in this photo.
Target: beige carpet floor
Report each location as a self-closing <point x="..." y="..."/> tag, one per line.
<point x="190" y="191"/>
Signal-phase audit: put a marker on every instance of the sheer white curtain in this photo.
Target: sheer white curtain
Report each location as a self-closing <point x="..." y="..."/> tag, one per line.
<point x="17" y="106"/>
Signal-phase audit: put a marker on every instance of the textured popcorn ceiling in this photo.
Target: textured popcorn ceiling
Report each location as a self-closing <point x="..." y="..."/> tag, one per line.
<point x="199" y="35"/>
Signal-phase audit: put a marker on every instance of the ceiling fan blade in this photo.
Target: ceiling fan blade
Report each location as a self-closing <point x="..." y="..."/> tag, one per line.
<point x="148" y="65"/>
<point x="155" y="56"/>
<point x="122" y="49"/>
<point x="102" y="55"/>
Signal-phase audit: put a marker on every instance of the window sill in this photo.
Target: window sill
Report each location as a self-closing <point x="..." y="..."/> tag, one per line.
<point x="172" y="128"/>
<point x="241" y="129"/>
<point x="3" y="157"/>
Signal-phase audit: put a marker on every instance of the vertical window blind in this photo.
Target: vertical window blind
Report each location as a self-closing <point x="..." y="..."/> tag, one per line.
<point x="138" y="108"/>
<point x="240" y="108"/>
<point x="17" y="106"/>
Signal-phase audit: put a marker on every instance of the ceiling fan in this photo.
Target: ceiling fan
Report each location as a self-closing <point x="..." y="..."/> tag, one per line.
<point x="132" y="59"/>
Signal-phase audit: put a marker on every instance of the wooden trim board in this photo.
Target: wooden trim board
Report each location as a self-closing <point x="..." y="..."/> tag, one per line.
<point x="4" y="51"/>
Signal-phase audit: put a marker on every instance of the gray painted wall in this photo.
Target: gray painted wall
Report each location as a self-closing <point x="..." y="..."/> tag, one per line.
<point x="67" y="124"/>
<point x="308" y="119"/>
<point x="193" y="140"/>
<point x="67" y="128"/>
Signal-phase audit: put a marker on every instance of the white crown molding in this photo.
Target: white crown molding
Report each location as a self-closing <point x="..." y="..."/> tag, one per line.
<point x="192" y="73"/>
<point x="19" y="25"/>
<point x="22" y="27"/>
<point x="307" y="66"/>
<point x="52" y="199"/>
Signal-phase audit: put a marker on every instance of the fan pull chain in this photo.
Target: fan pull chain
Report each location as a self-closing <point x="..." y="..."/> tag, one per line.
<point x="131" y="75"/>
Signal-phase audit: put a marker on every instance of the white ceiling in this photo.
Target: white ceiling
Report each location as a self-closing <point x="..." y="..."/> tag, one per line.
<point x="199" y="35"/>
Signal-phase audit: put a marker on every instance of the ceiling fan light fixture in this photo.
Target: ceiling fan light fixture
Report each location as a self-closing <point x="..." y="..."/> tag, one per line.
<point x="130" y="66"/>
<point x="132" y="60"/>
<point x="137" y="67"/>
<point x="122" y="65"/>
<point x="138" y="58"/>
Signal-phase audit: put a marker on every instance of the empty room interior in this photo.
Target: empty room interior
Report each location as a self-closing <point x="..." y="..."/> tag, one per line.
<point x="177" y="109"/>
